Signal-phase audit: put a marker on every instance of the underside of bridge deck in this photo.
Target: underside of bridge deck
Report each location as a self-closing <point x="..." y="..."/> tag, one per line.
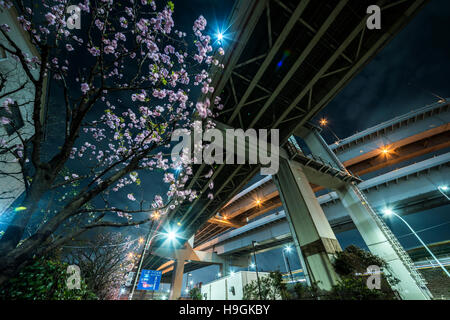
<point x="286" y="61"/>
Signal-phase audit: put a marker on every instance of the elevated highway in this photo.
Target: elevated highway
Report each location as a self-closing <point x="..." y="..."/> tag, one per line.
<point x="327" y="44"/>
<point x="279" y="73"/>
<point x="403" y="138"/>
<point x="408" y="190"/>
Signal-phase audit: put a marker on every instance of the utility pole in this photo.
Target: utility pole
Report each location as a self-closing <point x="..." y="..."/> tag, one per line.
<point x="142" y="259"/>
<point x="256" y="268"/>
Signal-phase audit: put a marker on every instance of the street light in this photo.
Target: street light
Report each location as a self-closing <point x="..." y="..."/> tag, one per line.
<point x="188" y="283"/>
<point x="390" y="212"/>
<point x="443" y="189"/>
<point x="288" y="249"/>
<point x="171" y="235"/>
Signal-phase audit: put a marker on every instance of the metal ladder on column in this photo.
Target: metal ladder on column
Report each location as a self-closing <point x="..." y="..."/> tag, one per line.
<point x="398" y="248"/>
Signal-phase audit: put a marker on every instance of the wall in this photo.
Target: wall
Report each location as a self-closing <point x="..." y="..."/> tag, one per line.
<point x="220" y="289"/>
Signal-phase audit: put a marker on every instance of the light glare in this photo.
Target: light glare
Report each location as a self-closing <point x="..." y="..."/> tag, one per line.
<point x="171" y="235"/>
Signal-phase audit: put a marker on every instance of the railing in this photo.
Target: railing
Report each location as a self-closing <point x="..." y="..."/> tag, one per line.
<point x="319" y="164"/>
<point x="398" y="248"/>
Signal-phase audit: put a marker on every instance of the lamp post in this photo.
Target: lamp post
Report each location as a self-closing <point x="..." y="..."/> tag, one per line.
<point x="286" y="261"/>
<point x="389" y="212"/>
<point x="256" y="268"/>
<point x="188" y="283"/>
<point x="171" y="236"/>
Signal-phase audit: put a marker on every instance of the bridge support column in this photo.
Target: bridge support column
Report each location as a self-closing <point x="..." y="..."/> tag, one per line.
<point x="377" y="236"/>
<point x="309" y="226"/>
<point x="225" y="268"/>
<point x="177" y="279"/>
<point x="381" y="242"/>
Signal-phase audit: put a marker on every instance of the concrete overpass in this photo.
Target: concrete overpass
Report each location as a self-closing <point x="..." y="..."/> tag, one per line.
<point x="328" y="44"/>
<point x="408" y="190"/>
<point x="403" y="138"/>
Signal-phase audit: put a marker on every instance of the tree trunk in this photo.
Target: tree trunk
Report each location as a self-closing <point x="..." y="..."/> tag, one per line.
<point x="14" y="232"/>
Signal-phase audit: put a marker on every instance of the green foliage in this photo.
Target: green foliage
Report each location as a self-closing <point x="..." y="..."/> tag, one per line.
<point x="195" y="294"/>
<point x="45" y="279"/>
<point x="355" y="260"/>
<point x="305" y="292"/>
<point x="351" y="264"/>
<point x="272" y="288"/>
<point x="352" y="288"/>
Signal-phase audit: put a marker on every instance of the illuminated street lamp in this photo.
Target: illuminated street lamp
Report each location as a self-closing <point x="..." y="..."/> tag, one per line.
<point x="287" y="249"/>
<point x="323" y="122"/>
<point x="189" y="283"/>
<point x="443" y="189"/>
<point x="171" y="235"/>
<point x="390" y="212"/>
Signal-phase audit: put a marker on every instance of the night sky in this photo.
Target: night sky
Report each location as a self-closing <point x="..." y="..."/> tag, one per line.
<point x="400" y="78"/>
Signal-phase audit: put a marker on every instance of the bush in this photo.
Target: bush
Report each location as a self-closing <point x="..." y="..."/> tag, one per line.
<point x="45" y="279"/>
<point x="351" y="288"/>
<point x="272" y="288"/>
<point x="350" y="265"/>
<point x="195" y="294"/>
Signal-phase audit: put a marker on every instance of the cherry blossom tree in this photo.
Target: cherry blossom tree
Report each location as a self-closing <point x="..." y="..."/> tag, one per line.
<point x="126" y="79"/>
<point x="104" y="261"/>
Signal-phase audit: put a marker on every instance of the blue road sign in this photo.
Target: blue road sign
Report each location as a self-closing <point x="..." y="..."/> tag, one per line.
<point x="149" y="280"/>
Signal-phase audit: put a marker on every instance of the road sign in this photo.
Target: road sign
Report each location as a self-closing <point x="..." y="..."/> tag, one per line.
<point x="149" y="280"/>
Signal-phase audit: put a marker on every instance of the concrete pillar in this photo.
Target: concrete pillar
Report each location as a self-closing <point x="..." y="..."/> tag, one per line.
<point x="410" y="287"/>
<point x="225" y="267"/>
<point x="177" y="279"/>
<point x="377" y="236"/>
<point x="309" y="226"/>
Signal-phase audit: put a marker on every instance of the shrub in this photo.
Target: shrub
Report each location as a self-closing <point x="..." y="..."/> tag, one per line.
<point x="195" y="294"/>
<point x="44" y="279"/>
